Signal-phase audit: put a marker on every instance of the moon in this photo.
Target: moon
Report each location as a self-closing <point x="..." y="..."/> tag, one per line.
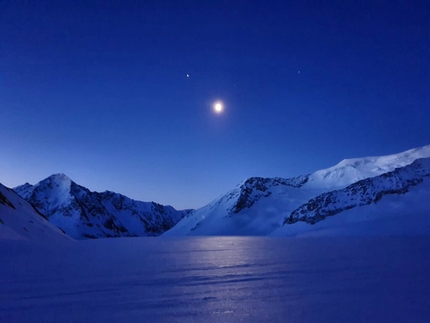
<point x="218" y="107"/>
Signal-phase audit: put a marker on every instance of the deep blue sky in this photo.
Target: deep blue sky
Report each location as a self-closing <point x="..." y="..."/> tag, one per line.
<point x="98" y="90"/>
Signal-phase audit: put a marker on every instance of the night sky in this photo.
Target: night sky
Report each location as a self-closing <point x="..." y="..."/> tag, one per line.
<point x="98" y="90"/>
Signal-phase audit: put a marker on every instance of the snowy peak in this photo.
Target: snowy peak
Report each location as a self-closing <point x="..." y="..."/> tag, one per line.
<point x="58" y="178"/>
<point x="59" y="183"/>
<point x="259" y="206"/>
<point x="85" y="214"/>
<point x="51" y="193"/>
<point x="349" y="171"/>
<point x="361" y="193"/>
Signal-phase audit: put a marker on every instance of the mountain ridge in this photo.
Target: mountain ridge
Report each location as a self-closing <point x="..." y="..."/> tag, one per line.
<point x="86" y="214"/>
<point x="256" y="206"/>
<point x="259" y="206"/>
<point x="361" y="193"/>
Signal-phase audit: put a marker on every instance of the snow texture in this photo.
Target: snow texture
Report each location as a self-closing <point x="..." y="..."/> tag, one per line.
<point x="217" y="279"/>
<point x="85" y="214"/>
<point x="349" y="171"/>
<point x="260" y="206"/>
<point x="363" y="193"/>
<point x="21" y="221"/>
<point x="257" y="206"/>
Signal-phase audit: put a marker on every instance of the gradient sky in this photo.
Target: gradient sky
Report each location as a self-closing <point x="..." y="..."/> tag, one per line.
<point x="98" y="90"/>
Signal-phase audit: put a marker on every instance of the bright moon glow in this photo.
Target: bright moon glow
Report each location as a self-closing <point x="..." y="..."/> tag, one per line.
<point x="218" y="107"/>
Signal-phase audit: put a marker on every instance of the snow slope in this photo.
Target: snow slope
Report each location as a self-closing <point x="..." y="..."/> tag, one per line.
<point x="259" y="206"/>
<point x="254" y="207"/>
<point x="217" y="279"/>
<point x="396" y="202"/>
<point x="21" y="221"/>
<point x="85" y="214"/>
<point x="349" y="171"/>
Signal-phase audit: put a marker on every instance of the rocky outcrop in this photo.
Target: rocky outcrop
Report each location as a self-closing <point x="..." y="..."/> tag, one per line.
<point x="362" y="193"/>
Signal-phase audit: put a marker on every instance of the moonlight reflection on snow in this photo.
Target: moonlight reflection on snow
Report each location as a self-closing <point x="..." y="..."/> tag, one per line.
<point x="218" y="279"/>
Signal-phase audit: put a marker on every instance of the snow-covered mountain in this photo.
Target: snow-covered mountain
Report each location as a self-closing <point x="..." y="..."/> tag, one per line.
<point x="393" y="203"/>
<point x="19" y="220"/>
<point x="349" y="171"/>
<point x="259" y="206"/>
<point x="361" y="193"/>
<point x="85" y="214"/>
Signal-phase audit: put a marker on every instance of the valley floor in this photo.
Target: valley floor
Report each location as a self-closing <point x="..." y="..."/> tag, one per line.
<point x="217" y="279"/>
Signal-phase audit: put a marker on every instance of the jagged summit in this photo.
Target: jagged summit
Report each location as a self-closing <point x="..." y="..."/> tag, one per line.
<point x="60" y="177"/>
<point x="86" y="214"/>
<point x="60" y="181"/>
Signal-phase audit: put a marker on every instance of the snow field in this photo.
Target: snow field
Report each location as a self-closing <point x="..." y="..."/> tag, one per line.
<point x="217" y="279"/>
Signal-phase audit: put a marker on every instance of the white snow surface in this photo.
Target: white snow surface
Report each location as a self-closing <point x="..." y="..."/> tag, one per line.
<point x="387" y="203"/>
<point x="395" y="214"/>
<point x="85" y="214"/>
<point x="264" y="216"/>
<point x="349" y="171"/>
<point x="217" y="279"/>
<point x="258" y="206"/>
<point x="20" y="221"/>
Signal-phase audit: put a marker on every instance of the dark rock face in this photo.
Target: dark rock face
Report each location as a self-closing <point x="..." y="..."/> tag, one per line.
<point x="361" y="193"/>
<point x="5" y="201"/>
<point x="255" y="188"/>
